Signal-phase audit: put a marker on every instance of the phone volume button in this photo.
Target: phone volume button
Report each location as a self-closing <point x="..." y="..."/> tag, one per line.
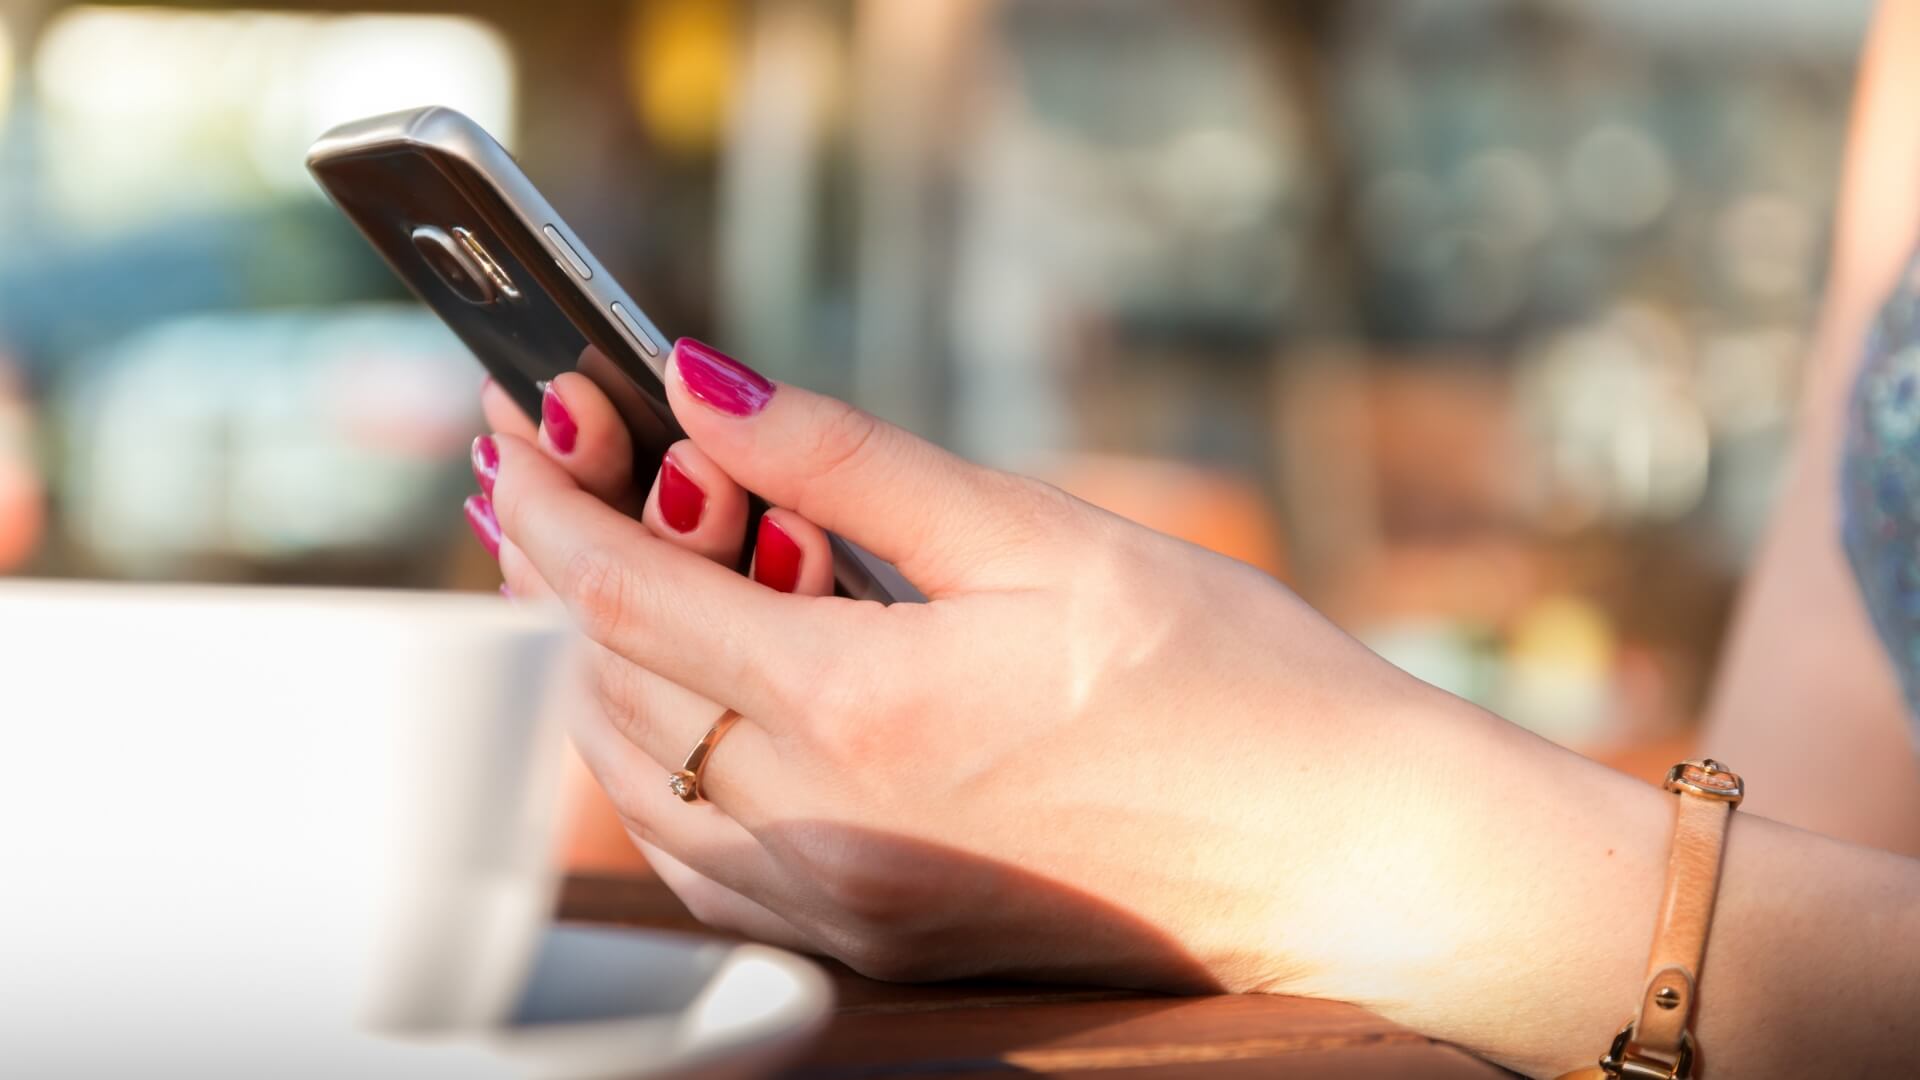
<point x="571" y="257"/>
<point x="632" y="327"/>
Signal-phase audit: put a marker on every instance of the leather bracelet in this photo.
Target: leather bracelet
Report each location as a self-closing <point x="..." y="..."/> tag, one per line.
<point x="1658" y="1044"/>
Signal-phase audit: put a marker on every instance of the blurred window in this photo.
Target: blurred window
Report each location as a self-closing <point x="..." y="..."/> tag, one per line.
<point x="204" y="110"/>
<point x="6" y="74"/>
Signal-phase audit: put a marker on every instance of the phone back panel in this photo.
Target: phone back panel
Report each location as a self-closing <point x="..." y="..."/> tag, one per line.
<point x="549" y="308"/>
<point x="421" y="171"/>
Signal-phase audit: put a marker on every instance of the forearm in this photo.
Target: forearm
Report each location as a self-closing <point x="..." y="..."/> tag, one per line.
<point x="1806" y="701"/>
<point x="1529" y="917"/>
<point x="1813" y="968"/>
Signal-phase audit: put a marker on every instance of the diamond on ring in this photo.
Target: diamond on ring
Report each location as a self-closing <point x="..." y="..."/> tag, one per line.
<point x="681" y="784"/>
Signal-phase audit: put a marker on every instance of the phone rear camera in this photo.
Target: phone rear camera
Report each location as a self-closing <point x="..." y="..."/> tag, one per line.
<point x="452" y="263"/>
<point x="478" y="255"/>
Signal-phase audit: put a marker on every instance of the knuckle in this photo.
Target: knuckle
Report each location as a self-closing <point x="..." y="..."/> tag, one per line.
<point x="599" y="589"/>
<point x="639" y="829"/>
<point x="1030" y="517"/>
<point x="876" y="737"/>
<point x="862" y="725"/>
<point x="878" y="902"/>
<point x="622" y="698"/>
<point x="1037" y="509"/>
<point x="821" y="681"/>
<point x="868" y="901"/>
<point x="880" y="957"/>
<point x="876" y="894"/>
<point x="705" y="901"/>
<point x="1048" y="501"/>
<point x="843" y="437"/>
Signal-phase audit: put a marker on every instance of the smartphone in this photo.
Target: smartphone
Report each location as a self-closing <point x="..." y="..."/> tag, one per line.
<point x="451" y="212"/>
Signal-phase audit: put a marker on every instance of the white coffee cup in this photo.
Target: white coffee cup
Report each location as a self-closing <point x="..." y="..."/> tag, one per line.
<point x="263" y="832"/>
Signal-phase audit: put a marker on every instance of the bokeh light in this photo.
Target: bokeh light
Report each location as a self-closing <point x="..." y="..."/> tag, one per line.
<point x="1619" y="178"/>
<point x="6" y="74"/>
<point x="682" y="71"/>
<point x="170" y="96"/>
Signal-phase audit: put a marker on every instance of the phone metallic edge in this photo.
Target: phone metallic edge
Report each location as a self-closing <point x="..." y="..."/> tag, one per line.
<point x="453" y="215"/>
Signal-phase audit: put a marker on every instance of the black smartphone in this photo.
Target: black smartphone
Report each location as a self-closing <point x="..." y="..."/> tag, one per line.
<point x="451" y="212"/>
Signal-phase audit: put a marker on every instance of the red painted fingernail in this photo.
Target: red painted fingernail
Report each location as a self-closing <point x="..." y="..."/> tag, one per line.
<point x="484" y="525"/>
<point x="776" y="557"/>
<point x="681" y="500"/>
<point x="719" y="381"/>
<point x="557" y="422"/>
<point x="486" y="463"/>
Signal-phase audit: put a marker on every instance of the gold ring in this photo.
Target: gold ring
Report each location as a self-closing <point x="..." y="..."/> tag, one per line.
<point x="686" y="782"/>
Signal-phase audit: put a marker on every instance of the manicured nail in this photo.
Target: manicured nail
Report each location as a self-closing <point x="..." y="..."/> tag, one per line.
<point x="486" y="463"/>
<point x="681" y="500"/>
<point x="484" y="525"/>
<point x="776" y="558"/>
<point x="557" y="422"/>
<point x="719" y="381"/>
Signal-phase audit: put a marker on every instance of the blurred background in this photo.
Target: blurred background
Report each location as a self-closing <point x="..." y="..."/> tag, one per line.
<point x="1478" y="322"/>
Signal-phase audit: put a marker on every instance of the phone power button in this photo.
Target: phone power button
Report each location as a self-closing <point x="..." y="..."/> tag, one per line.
<point x="632" y="326"/>
<point x="571" y="257"/>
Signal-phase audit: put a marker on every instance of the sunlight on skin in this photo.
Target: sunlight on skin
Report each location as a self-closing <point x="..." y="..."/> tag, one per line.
<point x="1104" y="755"/>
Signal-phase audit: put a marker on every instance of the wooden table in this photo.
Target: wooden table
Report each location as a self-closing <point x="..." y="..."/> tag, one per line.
<point x="980" y="1028"/>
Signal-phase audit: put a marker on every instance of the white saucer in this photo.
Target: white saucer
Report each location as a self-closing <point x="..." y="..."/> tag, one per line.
<point x="605" y="1003"/>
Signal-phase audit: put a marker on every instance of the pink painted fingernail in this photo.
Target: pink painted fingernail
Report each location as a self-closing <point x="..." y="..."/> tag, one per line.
<point x="557" y="422"/>
<point x="776" y="557"/>
<point x="486" y="463"/>
<point x="719" y="381"/>
<point x="681" y="500"/>
<point x="484" y="525"/>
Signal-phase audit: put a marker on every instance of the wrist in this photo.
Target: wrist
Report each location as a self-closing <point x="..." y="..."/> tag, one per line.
<point x="1496" y="889"/>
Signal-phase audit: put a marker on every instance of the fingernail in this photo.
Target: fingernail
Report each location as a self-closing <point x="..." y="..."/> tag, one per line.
<point x="484" y="525"/>
<point x="719" y="381"/>
<point x="681" y="500"/>
<point x="506" y="592"/>
<point x="486" y="463"/>
<point x="557" y="422"/>
<point x="776" y="558"/>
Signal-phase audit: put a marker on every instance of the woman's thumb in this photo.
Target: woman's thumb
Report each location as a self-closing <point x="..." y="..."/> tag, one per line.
<point x="895" y="494"/>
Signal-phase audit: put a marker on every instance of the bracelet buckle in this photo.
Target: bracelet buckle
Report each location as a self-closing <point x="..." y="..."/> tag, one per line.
<point x="1708" y="779"/>
<point x="1621" y="1063"/>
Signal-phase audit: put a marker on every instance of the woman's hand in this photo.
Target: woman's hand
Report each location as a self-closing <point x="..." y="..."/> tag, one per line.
<point x="1100" y="754"/>
<point x="1097" y="753"/>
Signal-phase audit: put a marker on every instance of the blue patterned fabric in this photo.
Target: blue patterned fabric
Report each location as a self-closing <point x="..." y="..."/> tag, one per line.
<point x="1880" y="481"/>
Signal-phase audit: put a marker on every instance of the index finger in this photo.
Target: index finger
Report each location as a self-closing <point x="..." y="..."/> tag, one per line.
<point x="667" y="609"/>
<point x="503" y="416"/>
